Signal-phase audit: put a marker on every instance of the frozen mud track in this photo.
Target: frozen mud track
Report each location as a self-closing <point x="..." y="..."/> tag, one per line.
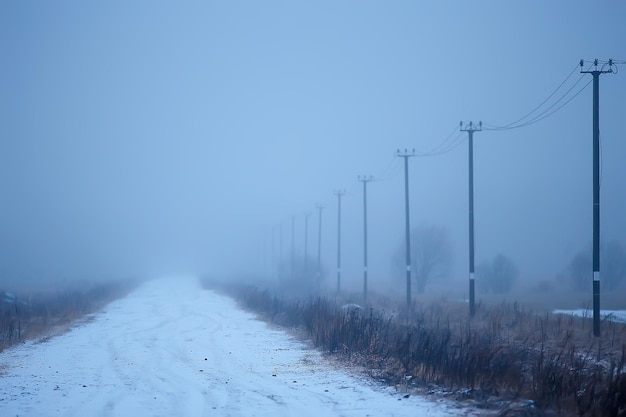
<point x="173" y="349"/>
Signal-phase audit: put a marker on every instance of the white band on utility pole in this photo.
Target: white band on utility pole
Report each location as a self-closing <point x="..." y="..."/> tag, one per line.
<point x="472" y="276"/>
<point x="408" y="268"/>
<point x="364" y="269"/>
<point x="596" y="275"/>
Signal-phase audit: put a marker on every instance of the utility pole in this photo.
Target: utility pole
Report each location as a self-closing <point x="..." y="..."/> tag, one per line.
<point x="306" y="245"/>
<point x="365" y="180"/>
<point x="406" y="155"/>
<point x="280" y="242"/>
<point x="470" y="129"/>
<point x="320" y="207"/>
<point x="339" y="194"/>
<point x="280" y="254"/>
<point x="273" y="252"/>
<point x="293" y="246"/>
<point x="596" y="188"/>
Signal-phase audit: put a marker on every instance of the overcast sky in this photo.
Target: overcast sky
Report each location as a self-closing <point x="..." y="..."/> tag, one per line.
<point x="152" y="138"/>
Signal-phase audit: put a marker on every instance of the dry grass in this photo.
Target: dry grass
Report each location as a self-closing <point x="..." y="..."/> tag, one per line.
<point x="505" y="352"/>
<point x="44" y="314"/>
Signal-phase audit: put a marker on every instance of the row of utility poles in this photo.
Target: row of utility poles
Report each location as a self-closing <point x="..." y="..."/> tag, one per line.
<point x="320" y="207"/>
<point x="470" y="128"/>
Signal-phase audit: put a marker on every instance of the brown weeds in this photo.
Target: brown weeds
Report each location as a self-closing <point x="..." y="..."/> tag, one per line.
<point x="504" y="351"/>
<point x="25" y="317"/>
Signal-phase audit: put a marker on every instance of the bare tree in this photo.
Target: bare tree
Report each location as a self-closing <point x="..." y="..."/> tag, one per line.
<point x="431" y="255"/>
<point x="499" y="275"/>
<point x="612" y="267"/>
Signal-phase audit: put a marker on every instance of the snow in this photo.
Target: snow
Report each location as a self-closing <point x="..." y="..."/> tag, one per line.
<point x="613" y="315"/>
<point x="173" y="349"/>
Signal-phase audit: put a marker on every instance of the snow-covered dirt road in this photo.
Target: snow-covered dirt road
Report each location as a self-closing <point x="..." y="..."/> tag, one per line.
<point x="173" y="349"/>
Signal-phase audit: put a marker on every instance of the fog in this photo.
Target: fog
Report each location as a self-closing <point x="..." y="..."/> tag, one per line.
<point x="143" y="139"/>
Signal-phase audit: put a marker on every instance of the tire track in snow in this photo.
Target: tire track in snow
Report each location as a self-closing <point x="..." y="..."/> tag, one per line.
<point x="172" y="349"/>
<point x="164" y="365"/>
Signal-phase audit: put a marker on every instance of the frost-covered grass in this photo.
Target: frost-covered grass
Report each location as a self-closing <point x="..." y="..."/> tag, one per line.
<point x="30" y="314"/>
<point x="606" y="315"/>
<point x="505" y="353"/>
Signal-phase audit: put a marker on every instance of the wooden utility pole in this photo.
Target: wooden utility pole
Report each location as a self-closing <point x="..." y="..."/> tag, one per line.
<point x="470" y="129"/>
<point x="320" y="207"/>
<point x="365" y="180"/>
<point x="339" y="194"/>
<point x="406" y="155"/>
<point x="596" y="187"/>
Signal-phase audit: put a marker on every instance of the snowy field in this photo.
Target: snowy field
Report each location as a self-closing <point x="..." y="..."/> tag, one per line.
<point x="172" y="349"/>
<point x="613" y="315"/>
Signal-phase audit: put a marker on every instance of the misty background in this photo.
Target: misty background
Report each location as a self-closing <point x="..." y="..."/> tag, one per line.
<point x="151" y="138"/>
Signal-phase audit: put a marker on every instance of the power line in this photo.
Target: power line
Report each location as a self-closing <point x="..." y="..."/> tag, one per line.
<point x="542" y="116"/>
<point x="448" y="144"/>
<point x="540" y="104"/>
<point x="458" y="140"/>
<point x="441" y="146"/>
<point x="527" y="120"/>
<point x="389" y="171"/>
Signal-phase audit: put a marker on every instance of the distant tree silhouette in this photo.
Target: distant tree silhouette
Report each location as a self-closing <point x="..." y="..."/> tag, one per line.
<point x="431" y="255"/>
<point x="497" y="276"/>
<point x="579" y="270"/>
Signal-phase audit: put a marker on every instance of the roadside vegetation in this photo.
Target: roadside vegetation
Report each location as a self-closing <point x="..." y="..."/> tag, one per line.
<point x="518" y="361"/>
<point x="26" y="315"/>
